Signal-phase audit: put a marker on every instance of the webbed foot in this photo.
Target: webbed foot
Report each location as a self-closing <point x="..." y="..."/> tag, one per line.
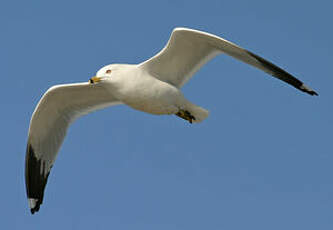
<point x="186" y="115"/>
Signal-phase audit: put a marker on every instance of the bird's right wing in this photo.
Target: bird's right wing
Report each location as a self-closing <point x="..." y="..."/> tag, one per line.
<point x="59" y="106"/>
<point x="188" y="50"/>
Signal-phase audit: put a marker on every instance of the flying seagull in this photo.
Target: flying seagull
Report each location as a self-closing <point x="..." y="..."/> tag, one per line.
<point x="152" y="87"/>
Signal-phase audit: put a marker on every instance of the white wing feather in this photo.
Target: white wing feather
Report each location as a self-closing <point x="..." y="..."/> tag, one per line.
<point x="187" y="50"/>
<point x="56" y="110"/>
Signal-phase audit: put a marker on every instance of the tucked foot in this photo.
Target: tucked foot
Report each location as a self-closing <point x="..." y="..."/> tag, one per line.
<point x="186" y="115"/>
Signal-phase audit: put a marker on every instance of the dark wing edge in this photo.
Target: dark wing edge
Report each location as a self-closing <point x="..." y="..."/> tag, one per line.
<point x="35" y="179"/>
<point x="282" y="74"/>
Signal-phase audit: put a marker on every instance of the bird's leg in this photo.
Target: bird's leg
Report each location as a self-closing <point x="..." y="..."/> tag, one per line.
<point x="186" y="115"/>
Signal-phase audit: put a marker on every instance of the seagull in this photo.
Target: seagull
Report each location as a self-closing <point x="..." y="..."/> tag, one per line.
<point x="153" y="86"/>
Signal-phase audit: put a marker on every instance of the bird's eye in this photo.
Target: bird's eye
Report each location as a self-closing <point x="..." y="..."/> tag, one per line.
<point x="108" y="71"/>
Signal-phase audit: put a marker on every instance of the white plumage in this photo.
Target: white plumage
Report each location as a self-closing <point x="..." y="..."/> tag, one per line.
<point x="152" y="86"/>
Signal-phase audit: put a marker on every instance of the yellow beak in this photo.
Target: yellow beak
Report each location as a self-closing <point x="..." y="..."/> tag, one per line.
<point x="94" y="79"/>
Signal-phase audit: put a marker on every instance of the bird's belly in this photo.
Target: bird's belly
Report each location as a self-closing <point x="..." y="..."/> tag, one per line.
<point x="153" y="107"/>
<point x="157" y="98"/>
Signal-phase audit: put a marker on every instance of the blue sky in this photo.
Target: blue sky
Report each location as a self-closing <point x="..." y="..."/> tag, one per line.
<point x="262" y="160"/>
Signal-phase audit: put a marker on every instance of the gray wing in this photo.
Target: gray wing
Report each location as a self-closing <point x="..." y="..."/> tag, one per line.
<point x="56" y="110"/>
<point x="187" y="50"/>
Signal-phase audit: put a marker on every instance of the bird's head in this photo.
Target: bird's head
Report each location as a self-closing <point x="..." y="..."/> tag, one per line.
<point x="105" y="73"/>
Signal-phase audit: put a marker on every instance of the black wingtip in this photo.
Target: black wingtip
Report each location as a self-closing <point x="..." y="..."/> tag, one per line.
<point x="35" y="181"/>
<point x="35" y="209"/>
<point x="313" y="93"/>
<point x="34" y="204"/>
<point x="306" y="89"/>
<point x="282" y="74"/>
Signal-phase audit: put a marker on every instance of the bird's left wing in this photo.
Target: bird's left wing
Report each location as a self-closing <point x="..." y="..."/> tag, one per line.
<point x="58" y="107"/>
<point x="187" y="50"/>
